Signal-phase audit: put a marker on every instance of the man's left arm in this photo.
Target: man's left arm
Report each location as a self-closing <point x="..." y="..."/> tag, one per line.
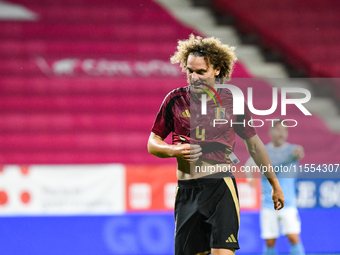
<point x="258" y="152"/>
<point x="299" y="152"/>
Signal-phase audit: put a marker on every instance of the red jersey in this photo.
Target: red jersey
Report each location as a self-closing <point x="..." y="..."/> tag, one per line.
<point x="180" y="113"/>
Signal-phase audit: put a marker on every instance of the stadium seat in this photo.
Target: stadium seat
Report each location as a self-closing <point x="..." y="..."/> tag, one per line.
<point x="64" y="102"/>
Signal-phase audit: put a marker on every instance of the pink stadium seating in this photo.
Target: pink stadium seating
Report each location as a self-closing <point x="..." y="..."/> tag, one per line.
<point x="78" y="117"/>
<point x="300" y="30"/>
<point x="99" y="32"/>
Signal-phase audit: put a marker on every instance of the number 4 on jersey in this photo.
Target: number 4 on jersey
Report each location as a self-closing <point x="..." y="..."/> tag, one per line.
<point x="198" y="135"/>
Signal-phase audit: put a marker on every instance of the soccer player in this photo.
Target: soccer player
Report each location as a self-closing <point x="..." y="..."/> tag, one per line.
<point x="206" y="207"/>
<point x="282" y="154"/>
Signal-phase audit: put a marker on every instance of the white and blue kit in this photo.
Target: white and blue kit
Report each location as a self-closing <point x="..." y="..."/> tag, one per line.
<point x="284" y="164"/>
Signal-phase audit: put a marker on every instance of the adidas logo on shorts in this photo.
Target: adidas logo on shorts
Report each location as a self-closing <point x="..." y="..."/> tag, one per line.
<point x="231" y="239"/>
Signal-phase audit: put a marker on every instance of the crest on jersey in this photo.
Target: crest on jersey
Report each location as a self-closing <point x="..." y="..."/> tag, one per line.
<point x="220" y="112"/>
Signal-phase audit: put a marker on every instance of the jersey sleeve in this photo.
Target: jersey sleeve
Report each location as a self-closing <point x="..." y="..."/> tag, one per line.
<point x="292" y="148"/>
<point x="245" y="131"/>
<point x="164" y="121"/>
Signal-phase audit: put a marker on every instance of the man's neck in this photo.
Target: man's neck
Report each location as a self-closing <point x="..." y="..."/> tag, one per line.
<point x="277" y="145"/>
<point x="199" y="96"/>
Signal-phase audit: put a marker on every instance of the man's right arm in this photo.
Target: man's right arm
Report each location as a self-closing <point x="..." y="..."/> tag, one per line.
<point x="249" y="166"/>
<point x="159" y="148"/>
<point x="258" y="152"/>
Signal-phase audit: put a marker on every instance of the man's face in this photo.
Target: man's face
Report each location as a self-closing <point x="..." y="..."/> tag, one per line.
<point x="199" y="73"/>
<point x="279" y="135"/>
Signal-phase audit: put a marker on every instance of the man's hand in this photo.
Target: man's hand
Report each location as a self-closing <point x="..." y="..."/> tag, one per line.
<point x="187" y="152"/>
<point x="278" y="198"/>
<point x="299" y="152"/>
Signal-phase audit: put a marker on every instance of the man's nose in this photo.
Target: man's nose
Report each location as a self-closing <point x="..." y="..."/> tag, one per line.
<point x="194" y="75"/>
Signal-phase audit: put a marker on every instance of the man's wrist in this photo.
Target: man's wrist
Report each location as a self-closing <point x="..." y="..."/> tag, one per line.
<point x="274" y="183"/>
<point x="172" y="151"/>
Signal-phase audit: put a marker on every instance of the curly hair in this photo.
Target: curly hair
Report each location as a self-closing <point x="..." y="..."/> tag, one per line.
<point x="213" y="51"/>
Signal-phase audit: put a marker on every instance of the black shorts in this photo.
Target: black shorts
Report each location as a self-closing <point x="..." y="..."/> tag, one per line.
<point x="207" y="215"/>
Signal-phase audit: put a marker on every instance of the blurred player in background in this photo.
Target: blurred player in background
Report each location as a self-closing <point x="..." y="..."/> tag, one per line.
<point x="206" y="209"/>
<point x="282" y="154"/>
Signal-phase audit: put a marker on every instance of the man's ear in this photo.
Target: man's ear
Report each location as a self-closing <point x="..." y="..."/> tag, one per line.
<point x="217" y="71"/>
